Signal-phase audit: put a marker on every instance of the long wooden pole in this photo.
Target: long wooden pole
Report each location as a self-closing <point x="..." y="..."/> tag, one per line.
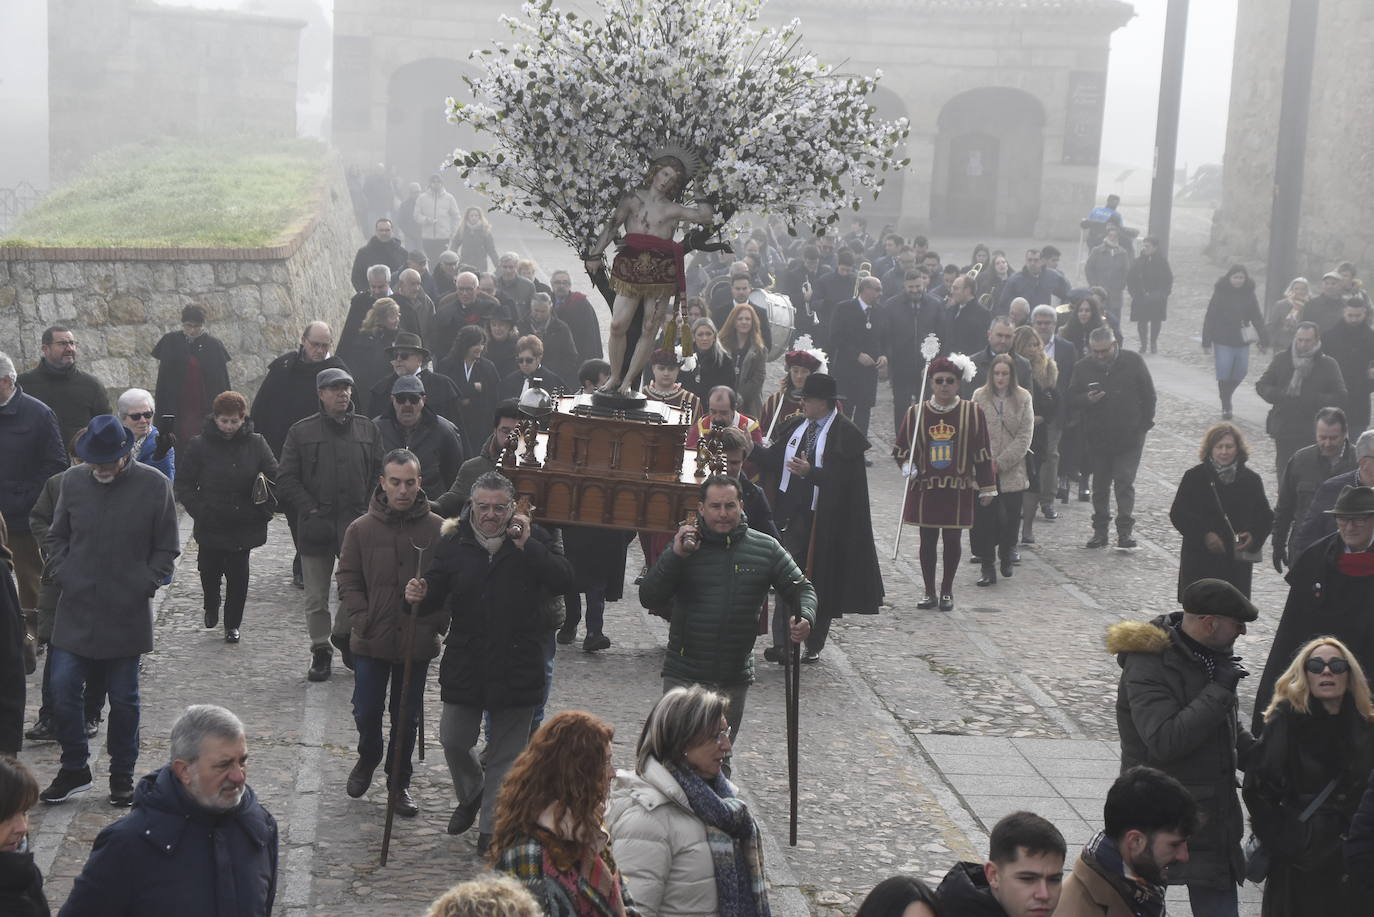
<point x="408" y="641"/>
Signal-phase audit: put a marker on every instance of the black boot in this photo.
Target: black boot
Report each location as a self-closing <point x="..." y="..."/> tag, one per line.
<point x="1006" y="564"/>
<point x="989" y="577"/>
<point x="1224" y="389"/>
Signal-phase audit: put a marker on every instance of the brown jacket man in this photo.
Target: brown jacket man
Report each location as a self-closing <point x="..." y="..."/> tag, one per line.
<point x="1085" y="893"/>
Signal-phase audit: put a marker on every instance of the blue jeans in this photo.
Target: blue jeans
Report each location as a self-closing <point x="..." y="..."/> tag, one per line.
<point x="370" y="680"/>
<point x="1232" y="363"/>
<point x="69" y="675"/>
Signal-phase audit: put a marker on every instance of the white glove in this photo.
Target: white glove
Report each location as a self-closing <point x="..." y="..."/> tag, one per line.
<point x="909" y="470"/>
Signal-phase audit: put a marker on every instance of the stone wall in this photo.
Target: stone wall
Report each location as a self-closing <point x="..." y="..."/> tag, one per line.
<point x="118" y="302"/>
<point x="120" y="72"/>
<point x="1337" y="179"/>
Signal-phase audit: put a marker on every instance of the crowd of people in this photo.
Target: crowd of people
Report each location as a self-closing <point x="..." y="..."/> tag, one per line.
<point x="383" y="450"/>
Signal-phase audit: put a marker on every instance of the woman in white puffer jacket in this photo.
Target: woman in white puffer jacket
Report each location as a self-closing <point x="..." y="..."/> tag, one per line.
<point x="685" y="843"/>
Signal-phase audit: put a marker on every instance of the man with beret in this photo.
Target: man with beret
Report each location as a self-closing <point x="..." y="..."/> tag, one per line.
<point x="1176" y="711"/>
<point x="1330" y="591"/>
<point x="112" y="543"/>
<point x="329" y="468"/>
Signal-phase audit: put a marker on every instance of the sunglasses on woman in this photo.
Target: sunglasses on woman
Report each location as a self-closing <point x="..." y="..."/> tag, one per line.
<point x="141" y="415"/>
<point x="1316" y="665"/>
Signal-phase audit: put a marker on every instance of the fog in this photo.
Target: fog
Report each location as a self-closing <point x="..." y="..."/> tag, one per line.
<point x="1127" y="141"/>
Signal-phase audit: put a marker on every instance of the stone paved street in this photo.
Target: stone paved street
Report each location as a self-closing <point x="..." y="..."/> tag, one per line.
<point x="918" y="729"/>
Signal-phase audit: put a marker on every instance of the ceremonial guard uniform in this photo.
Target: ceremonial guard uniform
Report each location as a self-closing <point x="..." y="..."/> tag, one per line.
<point x="952" y="460"/>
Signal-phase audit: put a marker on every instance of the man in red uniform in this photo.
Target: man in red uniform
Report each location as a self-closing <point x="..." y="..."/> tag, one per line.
<point x="951" y="460"/>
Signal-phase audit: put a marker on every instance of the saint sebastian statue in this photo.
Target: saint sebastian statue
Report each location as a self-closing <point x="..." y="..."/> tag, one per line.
<point x="648" y="266"/>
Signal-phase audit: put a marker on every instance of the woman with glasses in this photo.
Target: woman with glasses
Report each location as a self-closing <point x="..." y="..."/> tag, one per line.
<point x="685" y="841"/>
<point x="1306" y="778"/>
<point x="1221" y="511"/>
<point x="529" y="366"/>
<point x="151" y="446"/>
<point x="950" y="462"/>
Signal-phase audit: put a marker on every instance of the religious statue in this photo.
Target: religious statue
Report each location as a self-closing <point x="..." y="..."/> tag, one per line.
<point x="648" y="267"/>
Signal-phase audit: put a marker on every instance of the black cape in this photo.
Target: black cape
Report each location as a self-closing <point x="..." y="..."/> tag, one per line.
<point x="844" y="564"/>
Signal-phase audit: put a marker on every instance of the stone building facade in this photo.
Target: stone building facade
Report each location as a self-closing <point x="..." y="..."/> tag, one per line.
<point x="119" y="302"/>
<point x="1004" y="96"/>
<point x="121" y="71"/>
<point x="1338" y="178"/>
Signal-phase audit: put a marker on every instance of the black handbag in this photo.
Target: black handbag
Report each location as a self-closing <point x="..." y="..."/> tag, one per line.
<point x="1257" y="858"/>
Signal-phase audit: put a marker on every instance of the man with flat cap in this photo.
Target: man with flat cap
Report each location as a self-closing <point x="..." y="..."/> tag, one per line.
<point x="1330" y="592"/>
<point x="1176" y="711"/>
<point x="329" y="468"/>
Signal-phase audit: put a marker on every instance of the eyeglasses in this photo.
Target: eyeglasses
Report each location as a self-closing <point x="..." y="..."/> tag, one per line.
<point x="1316" y="665"/>
<point x="404" y="355"/>
<point x="526" y="360"/>
<point x="407" y="398"/>
<point x="487" y="509"/>
<point x="142" y="415"/>
<point x="944" y="380"/>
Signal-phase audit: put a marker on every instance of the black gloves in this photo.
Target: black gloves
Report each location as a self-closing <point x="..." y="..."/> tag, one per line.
<point x="165" y="441"/>
<point x="1280" y="557"/>
<point x="1229" y="672"/>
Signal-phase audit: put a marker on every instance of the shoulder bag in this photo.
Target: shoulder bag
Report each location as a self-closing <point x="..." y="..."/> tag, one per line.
<point x="1245" y="557"/>
<point x="1257" y="858"/>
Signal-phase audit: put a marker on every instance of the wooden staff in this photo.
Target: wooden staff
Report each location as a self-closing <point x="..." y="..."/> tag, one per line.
<point x="408" y="641"/>
<point x="930" y="347"/>
<point x="791" y="675"/>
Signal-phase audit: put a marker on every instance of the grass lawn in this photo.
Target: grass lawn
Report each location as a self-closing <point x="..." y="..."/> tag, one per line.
<point x="181" y="194"/>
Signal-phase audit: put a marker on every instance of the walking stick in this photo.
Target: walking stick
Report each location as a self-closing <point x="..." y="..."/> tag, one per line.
<point x="408" y="641"/>
<point x="929" y="348"/>
<point x="792" y="685"/>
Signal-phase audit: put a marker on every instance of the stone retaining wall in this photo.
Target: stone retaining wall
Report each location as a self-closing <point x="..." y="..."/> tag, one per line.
<point x="118" y="302"/>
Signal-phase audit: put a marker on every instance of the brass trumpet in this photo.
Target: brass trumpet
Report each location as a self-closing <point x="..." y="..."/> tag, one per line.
<point x="865" y="270"/>
<point x="974" y="271"/>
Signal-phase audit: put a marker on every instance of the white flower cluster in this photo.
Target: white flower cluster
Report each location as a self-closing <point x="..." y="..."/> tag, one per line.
<point x="574" y="108"/>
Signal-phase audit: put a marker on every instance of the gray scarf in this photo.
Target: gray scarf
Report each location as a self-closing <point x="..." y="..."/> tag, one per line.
<point x="1302" y="368"/>
<point x="1226" y="474"/>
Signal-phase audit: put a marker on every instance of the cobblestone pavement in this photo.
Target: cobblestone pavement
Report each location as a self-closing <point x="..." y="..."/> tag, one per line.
<point x="919" y="729"/>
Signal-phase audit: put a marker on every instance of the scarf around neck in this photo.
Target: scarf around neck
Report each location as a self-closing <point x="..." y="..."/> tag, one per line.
<point x="491" y="544"/>
<point x="1226" y="474"/>
<point x="734" y="840"/>
<point x="1145" y="899"/>
<point x="1302" y="367"/>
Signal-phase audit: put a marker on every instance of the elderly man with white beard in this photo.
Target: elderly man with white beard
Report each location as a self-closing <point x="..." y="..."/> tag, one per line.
<point x="198" y="841"/>
<point x="112" y="542"/>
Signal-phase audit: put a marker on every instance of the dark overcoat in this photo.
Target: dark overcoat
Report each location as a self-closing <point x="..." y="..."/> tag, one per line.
<point x="215" y="484"/>
<point x="1199" y="504"/>
<point x="493" y="656"/>
<point x="170" y="856"/>
<point x="1298" y="755"/>
<point x="844" y="563"/>
<point x="1322" y="601"/>
<point x="1173" y="717"/>
<point x="174" y="353"/>
<point x="1150" y="281"/>
<point x="288" y="394"/>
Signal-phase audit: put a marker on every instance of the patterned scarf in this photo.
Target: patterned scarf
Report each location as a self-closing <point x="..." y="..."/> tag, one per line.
<point x="1302" y="368"/>
<point x="1226" y="474"/>
<point x="733" y="837"/>
<point x="1145" y="899"/>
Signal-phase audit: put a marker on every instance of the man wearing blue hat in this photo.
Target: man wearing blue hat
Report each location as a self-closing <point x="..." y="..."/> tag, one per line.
<point x="112" y="542"/>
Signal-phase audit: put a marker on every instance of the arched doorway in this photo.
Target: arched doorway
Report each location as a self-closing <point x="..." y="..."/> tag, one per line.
<point x="989" y="155"/>
<point x="419" y="138"/>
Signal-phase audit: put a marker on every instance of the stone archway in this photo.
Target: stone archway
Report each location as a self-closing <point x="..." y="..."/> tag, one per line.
<point x="418" y="136"/>
<point x="989" y="155"/>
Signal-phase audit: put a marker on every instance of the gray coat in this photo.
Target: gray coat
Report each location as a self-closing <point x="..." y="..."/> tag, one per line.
<point x="109" y="548"/>
<point x="327" y="473"/>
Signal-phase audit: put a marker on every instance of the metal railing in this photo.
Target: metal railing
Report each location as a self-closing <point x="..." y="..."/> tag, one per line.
<point x="15" y="202"/>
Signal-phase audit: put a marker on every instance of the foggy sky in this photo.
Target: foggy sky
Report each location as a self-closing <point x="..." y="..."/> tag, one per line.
<point x="1127" y="141"/>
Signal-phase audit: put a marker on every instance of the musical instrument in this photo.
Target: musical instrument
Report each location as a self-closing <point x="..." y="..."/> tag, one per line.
<point x="782" y="320"/>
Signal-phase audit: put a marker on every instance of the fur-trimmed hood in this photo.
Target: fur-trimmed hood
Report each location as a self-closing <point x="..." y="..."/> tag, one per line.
<point x="1142" y="636"/>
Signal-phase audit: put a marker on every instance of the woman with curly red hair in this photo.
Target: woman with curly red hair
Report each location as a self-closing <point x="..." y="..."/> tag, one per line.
<point x="548" y="831"/>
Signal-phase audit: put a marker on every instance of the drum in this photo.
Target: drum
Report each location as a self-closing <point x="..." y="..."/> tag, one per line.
<point x="782" y="320"/>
